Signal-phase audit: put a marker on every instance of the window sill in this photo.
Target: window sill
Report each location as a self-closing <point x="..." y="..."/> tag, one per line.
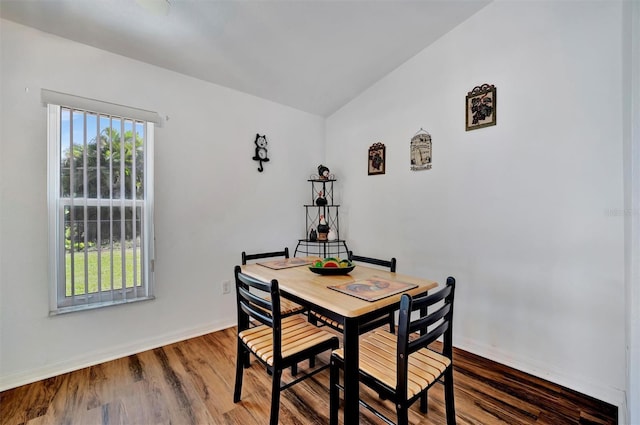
<point x="84" y="307"/>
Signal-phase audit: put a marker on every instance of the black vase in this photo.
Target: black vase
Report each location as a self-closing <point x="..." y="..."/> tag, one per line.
<point x="323" y="230"/>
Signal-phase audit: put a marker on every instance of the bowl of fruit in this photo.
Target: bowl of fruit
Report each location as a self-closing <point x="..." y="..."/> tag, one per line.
<point x="332" y="266"/>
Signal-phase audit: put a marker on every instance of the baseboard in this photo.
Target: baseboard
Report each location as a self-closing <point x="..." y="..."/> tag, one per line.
<point x="97" y="357"/>
<point x="549" y="373"/>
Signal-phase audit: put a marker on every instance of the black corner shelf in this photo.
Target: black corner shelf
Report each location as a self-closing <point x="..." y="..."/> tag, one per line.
<point x="322" y="248"/>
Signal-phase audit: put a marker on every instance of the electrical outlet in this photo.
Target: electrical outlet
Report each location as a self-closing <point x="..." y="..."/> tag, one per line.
<point x="226" y="287"/>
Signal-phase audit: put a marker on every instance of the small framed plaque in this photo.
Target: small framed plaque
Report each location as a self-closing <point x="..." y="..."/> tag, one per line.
<point x="376" y="159"/>
<point x="481" y="107"/>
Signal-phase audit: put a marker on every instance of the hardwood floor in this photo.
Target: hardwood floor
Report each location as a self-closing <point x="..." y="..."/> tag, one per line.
<point x="191" y="382"/>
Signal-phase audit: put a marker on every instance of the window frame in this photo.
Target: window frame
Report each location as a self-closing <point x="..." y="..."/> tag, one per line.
<point x="59" y="302"/>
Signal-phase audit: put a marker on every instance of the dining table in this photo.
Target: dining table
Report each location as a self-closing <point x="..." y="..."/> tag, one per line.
<point x="350" y="299"/>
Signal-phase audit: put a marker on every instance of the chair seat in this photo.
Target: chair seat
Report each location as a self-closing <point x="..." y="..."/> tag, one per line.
<point x="365" y="327"/>
<point x="326" y="320"/>
<point x="288" y="307"/>
<point x="378" y="359"/>
<point x="297" y="336"/>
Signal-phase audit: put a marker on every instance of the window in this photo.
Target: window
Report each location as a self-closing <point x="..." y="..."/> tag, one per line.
<point x="100" y="208"/>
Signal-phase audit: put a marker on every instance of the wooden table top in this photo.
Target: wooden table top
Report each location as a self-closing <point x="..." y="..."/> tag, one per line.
<point x="313" y="288"/>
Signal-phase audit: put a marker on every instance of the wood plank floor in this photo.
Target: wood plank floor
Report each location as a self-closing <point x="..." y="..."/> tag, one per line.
<point x="191" y="382"/>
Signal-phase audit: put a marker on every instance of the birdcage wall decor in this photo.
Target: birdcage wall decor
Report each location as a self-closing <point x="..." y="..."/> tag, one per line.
<point x="421" y="151"/>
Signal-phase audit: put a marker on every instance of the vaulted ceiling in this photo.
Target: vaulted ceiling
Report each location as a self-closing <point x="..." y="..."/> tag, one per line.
<point x="313" y="55"/>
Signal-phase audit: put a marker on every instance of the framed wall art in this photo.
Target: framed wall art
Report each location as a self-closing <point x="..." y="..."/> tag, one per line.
<point x="421" y="151"/>
<point x="480" y="107"/>
<point x="376" y="159"/>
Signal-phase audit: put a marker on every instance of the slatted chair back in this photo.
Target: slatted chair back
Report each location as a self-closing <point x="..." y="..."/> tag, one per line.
<point x="258" y="256"/>
<point x="432" y="323"/>
<point x="390" y="264"/>
<point x="264" y="310"/>
<point x="287" y="307"/>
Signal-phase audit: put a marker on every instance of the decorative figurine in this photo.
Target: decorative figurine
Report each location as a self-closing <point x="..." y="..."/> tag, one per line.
<point x="323" y="229"/>
<point x="321" y="199"/>
<point x="331" y="236"/>
<point x="313" y="236"/>
<point x="323" y="172"/>
<point x="261" y="150"/>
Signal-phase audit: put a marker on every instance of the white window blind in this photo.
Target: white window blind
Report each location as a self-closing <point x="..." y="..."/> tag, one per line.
<point x="100" y="186"/>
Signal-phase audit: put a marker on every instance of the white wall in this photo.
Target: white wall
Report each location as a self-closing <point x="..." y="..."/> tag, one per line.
<point x="632" y="207"/>
<point x="528" y="214"/>
<point x="211" y="202"/>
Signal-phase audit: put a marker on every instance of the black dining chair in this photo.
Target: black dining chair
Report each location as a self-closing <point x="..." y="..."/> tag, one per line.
<point x="287" y="306"/>
<point x="277" y="342"/>
<point x="248" y="257"/>
<point x="402" y="368"/>
<point x="317" y="318"/>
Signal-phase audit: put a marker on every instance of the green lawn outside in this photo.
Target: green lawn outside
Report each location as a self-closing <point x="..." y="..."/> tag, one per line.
<point x="105" y="264"/>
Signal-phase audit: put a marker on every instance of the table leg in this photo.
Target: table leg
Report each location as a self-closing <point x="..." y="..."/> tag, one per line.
<point x="351" y="375"/>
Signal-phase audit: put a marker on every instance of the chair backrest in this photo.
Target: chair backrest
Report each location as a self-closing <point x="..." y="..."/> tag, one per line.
<point x="264" y="310"/>
<point x="440" y="322"/>
<point x="391" y="264"/>
<point x="248" y="257"/>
